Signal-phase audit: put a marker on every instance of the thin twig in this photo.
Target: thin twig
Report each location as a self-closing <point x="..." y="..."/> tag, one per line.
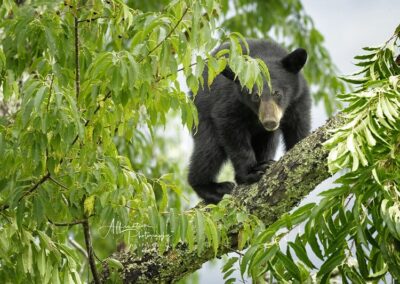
<point x="179" y="70"/>
<point x="77" y="73"/>
<point x="108" y="95"/>
<point x="58" y="183"/>
<point x="89" y="249"/>
<point x="234" y="250"/>
<point x="29" y="191"/>
<point x="168" y="35"/>
<point x="4" y="207"/>
<point x="35" y="186"/>
<point x="66" y="224"/>
<point x="92" y="19"/>
<point x="348" y="200"/>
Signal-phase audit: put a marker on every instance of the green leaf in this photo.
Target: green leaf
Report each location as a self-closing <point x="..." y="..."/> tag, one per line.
<point x="41" y="263"/>
<point x="262" y="257"/>
<point x="200" y="231"/>
<point x="214" y="235"/>
<point x="331" y="263"/>
<point x="39" y="97"/>
<point x="289" y="265"/>
<point x="114" y="263"/>
<point x="229" y="264"/>
<point x="302" y="254"/>
<point x="190" y="237"/>
<point x="248" y="256"/>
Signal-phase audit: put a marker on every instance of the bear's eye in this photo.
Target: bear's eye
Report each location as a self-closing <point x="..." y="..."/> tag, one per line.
<point x="255" y="97"/>
<point x="277" y="94"/>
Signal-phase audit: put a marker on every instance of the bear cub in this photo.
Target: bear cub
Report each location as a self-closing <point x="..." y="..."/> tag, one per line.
<point x="237" y="124"/>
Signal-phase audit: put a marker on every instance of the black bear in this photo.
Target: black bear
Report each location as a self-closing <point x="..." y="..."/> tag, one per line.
<point x="238" y="124"/>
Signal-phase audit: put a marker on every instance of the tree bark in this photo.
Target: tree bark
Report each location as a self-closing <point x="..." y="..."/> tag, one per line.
<point x="281" y="188"/>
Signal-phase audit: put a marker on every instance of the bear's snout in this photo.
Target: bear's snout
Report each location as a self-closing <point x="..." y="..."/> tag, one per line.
<point x="270" y="125"/>
<point x="270" y="115"/>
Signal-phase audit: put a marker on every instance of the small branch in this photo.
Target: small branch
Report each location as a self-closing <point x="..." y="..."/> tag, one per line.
<point x="77" y="73"/>
<point x="179" y="70"/>
<point x="58" y="183"/>
<point x="234" y="250"/>
<point x="35" y="186"/>
<point x="29" y="191"/>
<point x="4" y="207"/>
<point x="92" y="19"/>
<point x="67" y="224"/>
<point x="168" y="35"/>
<point x="108" y="95"/>
<point x="89" y="249"/>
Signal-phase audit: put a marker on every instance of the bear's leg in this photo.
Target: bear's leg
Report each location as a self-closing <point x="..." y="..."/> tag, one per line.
<point x="265" y="145"/>
<point x="296" y="122"/>
<point x="206" y="161"/>
<point x="237" y="144"/>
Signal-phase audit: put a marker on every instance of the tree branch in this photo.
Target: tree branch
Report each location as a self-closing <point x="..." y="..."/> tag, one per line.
<point x="281" y="188"/>
<point x="89" y="248"/>
<point x="67" y="224"/>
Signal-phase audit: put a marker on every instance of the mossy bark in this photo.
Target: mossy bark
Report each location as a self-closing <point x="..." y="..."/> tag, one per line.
<point x="282" y="187"/>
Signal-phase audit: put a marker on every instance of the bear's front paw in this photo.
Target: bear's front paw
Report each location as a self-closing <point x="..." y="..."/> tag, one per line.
<point x="262" y="166"/>
<point x="251" y="177"/>
<point x="216" y="191"/>
<point x="225" y="187"/>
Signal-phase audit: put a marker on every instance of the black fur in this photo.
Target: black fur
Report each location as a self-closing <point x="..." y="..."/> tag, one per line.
<point x="229" y="124"/>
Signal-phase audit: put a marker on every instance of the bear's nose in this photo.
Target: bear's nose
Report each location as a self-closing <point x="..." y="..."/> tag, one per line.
<point x="270" y="125"/>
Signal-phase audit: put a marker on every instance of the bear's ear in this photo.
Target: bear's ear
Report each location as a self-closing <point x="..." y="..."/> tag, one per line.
<point x="294" y="61"/>
<point x="229" y="74"/>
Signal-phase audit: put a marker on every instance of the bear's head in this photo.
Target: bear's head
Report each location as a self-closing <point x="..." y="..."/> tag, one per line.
<point x="271" y="105"/>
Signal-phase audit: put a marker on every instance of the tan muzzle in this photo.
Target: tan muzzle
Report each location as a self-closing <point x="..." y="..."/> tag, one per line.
<point x="270" y="115"/>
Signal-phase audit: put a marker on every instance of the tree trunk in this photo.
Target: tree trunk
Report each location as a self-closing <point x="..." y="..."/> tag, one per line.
<point x="281" y="188"/>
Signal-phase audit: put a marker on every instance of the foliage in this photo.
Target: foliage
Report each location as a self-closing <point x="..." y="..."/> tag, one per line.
<point x="94" y="81"/>
<point x="91" y="83"/>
